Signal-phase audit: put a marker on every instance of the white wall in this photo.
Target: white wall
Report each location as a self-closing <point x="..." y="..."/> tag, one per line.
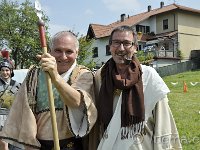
<point x="150" y="22"/>
<point x="101" y="44"/>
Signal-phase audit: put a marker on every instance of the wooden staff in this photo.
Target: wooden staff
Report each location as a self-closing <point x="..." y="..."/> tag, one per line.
<point x="49" y="88"/>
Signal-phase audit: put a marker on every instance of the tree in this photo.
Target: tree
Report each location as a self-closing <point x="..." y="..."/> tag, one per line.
<point x="85" y="52"/>
<point x="145" y="57"/>
<point x="18" y="26"/>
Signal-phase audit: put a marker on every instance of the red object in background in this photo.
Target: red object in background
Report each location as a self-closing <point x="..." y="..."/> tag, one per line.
<point x="185" y="89"/>
<point x="5" y="54"/>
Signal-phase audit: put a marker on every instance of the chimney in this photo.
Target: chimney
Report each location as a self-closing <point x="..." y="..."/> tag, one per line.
<point x="149" y="8"/>
<point x="161" y="4"/>
<point x="123" y="17"/>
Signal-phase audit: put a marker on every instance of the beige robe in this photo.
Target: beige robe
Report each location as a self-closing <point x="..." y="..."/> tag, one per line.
<point x="23" y="127"/>
<point x="160" y="128"/>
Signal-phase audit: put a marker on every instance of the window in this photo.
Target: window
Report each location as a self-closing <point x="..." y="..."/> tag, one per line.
<point x="95" y="52"/>
<point x="166" y="46"/>
<point x="147" y="29"/>
<point x="165" y="24"/>
<point x="140" y="28"/>
<point x="143" y="29"/>
<point x="139" y="47"/>
<point x="108" y="50"/>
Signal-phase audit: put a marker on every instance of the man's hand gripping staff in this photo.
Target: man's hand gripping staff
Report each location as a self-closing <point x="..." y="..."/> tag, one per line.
<point x="48" y="79"/>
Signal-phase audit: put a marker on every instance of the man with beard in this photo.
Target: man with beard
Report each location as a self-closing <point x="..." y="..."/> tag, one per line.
<point x="131" y="101"/>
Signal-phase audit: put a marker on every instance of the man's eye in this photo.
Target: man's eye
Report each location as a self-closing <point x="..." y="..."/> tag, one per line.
<point x="57" y="51"/>
<point x="127" y="43"/>
<point x="117" y="42"/>
<point x="69" y="52"/>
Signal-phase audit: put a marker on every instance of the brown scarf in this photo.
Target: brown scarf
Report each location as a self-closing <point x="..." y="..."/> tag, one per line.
<point x="132" y="108"/>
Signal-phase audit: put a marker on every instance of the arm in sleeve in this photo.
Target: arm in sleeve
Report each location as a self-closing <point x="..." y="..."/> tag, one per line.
<point x="82" y="119"/>
<point x="165" y="131"/>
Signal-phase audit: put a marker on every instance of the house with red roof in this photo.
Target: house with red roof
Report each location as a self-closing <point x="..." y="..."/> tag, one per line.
<point x="171" y="32"/>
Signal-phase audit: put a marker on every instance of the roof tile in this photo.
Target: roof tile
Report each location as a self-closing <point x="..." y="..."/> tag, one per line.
<point x="100" y="31"/>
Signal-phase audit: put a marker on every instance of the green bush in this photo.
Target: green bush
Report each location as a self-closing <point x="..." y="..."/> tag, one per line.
<point x="145" y="57"/>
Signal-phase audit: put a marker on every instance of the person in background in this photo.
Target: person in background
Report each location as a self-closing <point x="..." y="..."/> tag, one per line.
<point x="132" y="103"/>
<point x="29" y="123"/>
<point x="8" y="90"/>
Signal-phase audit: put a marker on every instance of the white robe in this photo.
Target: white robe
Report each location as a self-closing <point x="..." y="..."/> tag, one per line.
<point x="161" y="131"/>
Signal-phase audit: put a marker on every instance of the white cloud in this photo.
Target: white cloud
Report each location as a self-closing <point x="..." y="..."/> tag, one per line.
<point x="122" y="5"/>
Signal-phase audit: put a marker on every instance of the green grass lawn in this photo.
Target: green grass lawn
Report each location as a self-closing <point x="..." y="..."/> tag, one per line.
<point x="185" y="107"/>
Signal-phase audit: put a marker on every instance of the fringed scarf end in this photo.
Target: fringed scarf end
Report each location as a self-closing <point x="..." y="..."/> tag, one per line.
<point x="133" y="131"/>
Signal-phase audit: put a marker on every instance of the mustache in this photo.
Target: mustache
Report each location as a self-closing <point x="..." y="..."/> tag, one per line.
<point x="121" y="54"/>
<point x="127" y="56"/>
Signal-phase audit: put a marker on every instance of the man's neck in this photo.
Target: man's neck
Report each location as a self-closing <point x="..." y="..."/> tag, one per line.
<point x="7" y="81"/>
<point x="122" y="70"/>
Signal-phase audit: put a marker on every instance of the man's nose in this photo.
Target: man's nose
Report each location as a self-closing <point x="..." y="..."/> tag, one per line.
<point x="121" y="47"/>
<point x="64" y="55"/>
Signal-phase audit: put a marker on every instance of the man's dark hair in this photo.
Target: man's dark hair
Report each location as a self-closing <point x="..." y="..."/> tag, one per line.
<point x="122" y="29"/>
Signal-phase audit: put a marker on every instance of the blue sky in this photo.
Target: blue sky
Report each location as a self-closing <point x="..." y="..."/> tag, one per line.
<point x="76" y="15"/>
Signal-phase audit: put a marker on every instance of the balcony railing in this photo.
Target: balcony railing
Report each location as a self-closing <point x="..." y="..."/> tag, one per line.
<point x="166" y="54"/>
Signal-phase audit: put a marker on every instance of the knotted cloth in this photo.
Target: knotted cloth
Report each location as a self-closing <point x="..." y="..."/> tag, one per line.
<point x="132" y="108"/>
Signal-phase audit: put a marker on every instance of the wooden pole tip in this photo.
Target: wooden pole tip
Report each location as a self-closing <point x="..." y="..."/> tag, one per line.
<point x="40" y="23"/>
